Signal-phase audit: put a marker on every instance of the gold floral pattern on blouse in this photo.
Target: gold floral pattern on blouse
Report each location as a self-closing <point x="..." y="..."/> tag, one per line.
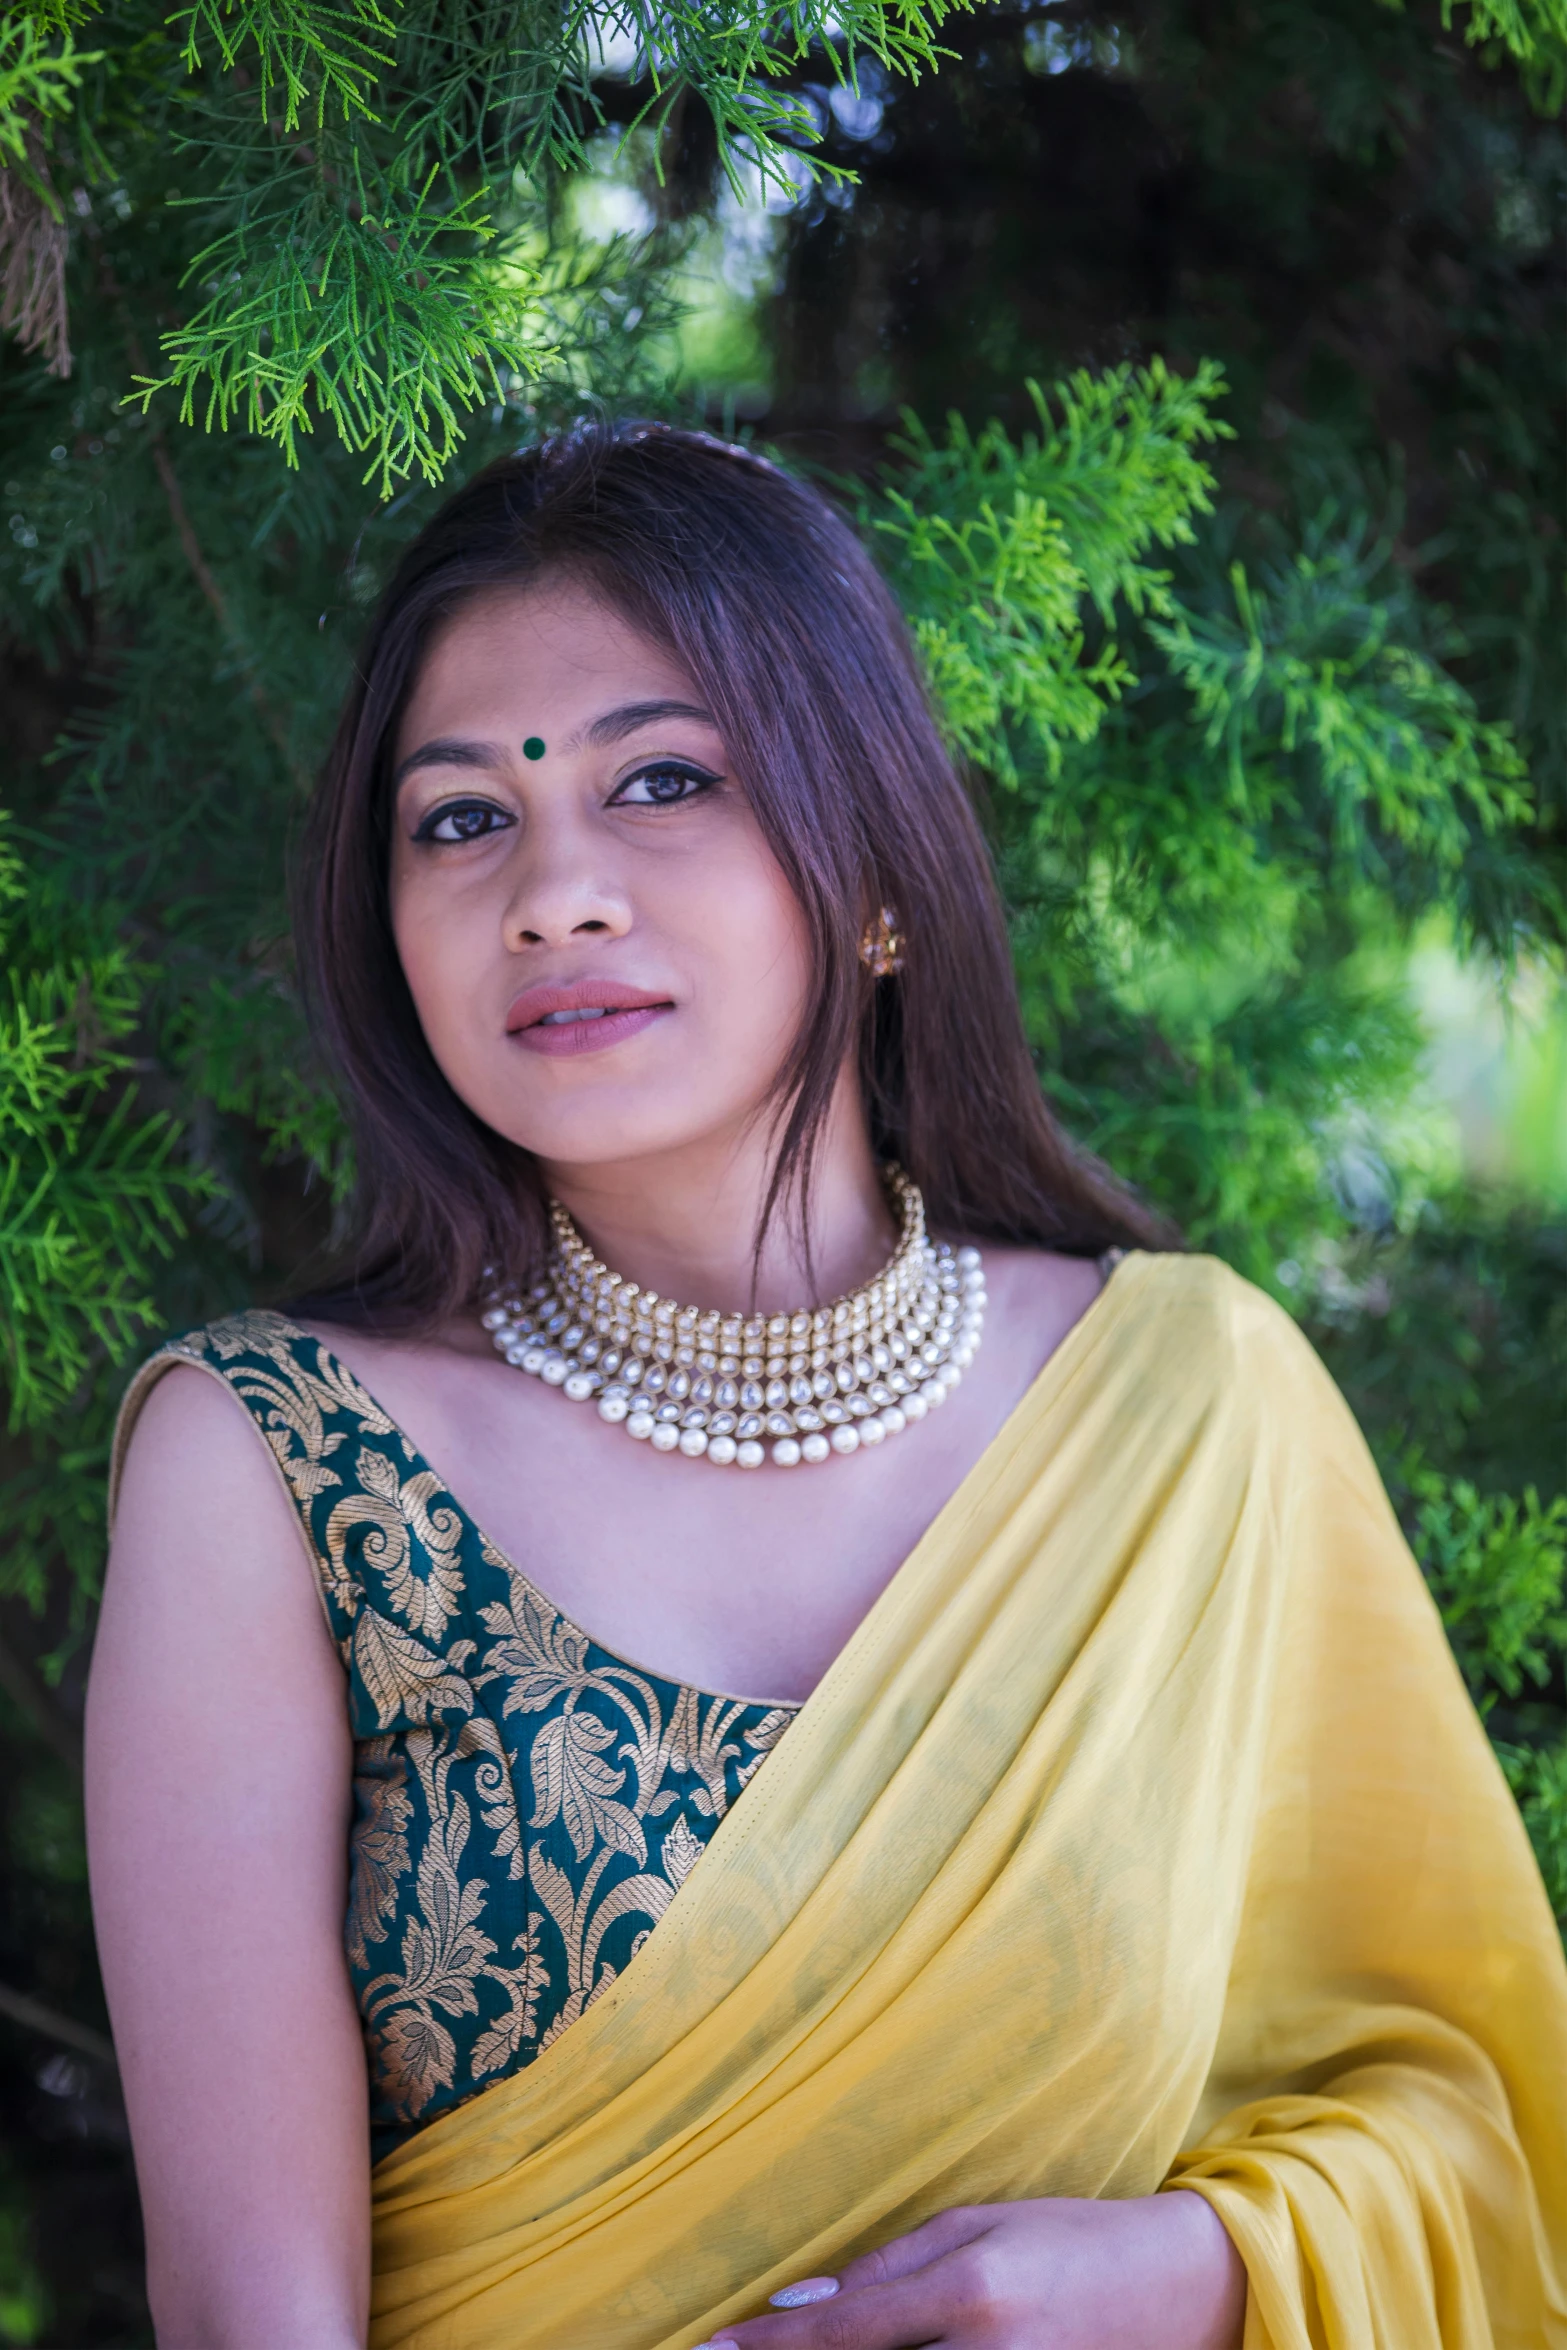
<point x="527" y="1805"/>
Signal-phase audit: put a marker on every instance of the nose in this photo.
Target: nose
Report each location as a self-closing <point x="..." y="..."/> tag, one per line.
<point x="561" y="888"/>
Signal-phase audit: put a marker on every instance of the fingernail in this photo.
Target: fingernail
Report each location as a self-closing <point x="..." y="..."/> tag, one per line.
<point x="810" y="2289"/>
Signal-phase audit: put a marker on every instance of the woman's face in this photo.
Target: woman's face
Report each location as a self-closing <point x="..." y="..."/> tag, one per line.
<point x="604" y="954"/>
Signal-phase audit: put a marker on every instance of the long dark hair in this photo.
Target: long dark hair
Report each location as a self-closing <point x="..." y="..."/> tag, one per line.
<point x="762" y="592"/>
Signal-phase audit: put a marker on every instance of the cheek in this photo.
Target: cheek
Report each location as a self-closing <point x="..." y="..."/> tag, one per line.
<point x="438" y="950"/>
<point x="756" y="944"/>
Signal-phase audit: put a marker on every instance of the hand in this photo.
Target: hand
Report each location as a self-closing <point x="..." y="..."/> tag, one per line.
<point x="1155" y="2273"/>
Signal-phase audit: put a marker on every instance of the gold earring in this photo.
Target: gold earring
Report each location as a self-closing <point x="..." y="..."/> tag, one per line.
<point x="881" y="948"/>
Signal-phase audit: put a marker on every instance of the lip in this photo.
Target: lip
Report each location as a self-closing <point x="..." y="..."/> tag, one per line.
<point x="626" y="1012"/>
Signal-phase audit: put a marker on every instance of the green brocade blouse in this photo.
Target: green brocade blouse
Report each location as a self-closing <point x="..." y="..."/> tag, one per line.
<point x="526" y="1804"/>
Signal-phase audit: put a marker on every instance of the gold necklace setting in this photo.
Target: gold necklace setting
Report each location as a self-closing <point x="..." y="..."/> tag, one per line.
<point x="733" y="1389"/>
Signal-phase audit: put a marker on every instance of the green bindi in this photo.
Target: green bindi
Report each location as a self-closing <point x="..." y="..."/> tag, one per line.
<point x="533" y="748"/>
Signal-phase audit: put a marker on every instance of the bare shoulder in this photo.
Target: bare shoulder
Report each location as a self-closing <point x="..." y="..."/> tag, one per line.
<point x="203" y="1524"/>
<point x="1039" y="1291"/>
<point x="192" y="1436"/>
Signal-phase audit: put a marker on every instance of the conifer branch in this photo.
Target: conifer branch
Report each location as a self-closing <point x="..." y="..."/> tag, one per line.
<point x="40" y="72"/>
<point x="34" y="2015"/>
<point x="191" y="548"/>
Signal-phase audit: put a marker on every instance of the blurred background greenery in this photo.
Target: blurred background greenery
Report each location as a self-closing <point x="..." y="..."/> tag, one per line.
<point x="1193" y="366"/>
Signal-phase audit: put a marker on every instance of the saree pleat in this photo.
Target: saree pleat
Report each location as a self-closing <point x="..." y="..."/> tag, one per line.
<point x="1142" y="1836"/>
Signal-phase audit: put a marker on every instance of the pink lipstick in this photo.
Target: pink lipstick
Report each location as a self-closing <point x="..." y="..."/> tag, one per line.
<point x="588" y="1016"/>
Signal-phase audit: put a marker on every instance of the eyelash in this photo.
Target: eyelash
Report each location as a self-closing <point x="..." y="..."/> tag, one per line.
<point x="658" y="770"/>
<point x="449" y="812"/>
<point x="676" y="770"/>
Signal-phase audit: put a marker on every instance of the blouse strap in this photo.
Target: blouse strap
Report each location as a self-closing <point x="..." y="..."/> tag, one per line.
<point x="307" y="1407"/>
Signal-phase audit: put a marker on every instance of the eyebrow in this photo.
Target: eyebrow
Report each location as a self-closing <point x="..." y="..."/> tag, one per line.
<point x="450" y="751"/>
<point x="615" y="725"/>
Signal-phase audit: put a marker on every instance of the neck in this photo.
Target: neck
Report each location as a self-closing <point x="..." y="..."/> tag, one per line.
<point x="684" y="1222"/>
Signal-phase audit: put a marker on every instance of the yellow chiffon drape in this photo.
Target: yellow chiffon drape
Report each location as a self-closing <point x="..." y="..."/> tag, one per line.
<point x="1143" y="1835"/>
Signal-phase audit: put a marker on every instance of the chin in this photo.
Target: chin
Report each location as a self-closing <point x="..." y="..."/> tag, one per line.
<point x="613" y="1132"/>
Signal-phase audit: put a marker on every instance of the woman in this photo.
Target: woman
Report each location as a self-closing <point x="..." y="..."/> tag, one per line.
<point x="1100" y="1813"/>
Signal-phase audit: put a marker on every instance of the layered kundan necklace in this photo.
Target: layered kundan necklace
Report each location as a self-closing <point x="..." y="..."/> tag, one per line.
<point x="734" y="1387"/>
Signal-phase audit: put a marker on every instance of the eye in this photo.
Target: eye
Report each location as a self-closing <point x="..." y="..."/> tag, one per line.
<point x="457" y="820"/>
<point x="664" y="784"/>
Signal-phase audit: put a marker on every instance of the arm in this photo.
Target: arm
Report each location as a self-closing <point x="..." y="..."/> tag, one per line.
<point x="219" y="1772"/>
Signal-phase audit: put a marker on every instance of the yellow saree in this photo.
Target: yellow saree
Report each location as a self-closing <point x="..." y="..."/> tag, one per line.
<point x="1142" y="1835"/>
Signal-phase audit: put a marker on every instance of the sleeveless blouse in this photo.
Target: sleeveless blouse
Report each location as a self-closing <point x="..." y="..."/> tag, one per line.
<point x="526" y="1804"/>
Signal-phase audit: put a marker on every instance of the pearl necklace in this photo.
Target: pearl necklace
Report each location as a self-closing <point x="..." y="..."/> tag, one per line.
<point x="726" y="1387"/>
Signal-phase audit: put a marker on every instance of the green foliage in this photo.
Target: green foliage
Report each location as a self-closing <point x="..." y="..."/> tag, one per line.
<point x="310" y="59"/>
<point x="1496" y="1566"/>
<point x="91" y="1192"/>
<point x="1218" y="778"/>
<point x="731" y="59"/>
<point x="1536" y="36"/>
<point x="40" y="73"/>
<point x="1537" y="1775"/>
<point x="998" y="546"/>
<point x="1309" y="668"/>
<point x="362" y="189"/>
<point x="241" y="1047"/>
<point x="377" y="319"/>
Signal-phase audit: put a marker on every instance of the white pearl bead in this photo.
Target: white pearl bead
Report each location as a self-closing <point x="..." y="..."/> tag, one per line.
<point x="925" y="1313"/>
